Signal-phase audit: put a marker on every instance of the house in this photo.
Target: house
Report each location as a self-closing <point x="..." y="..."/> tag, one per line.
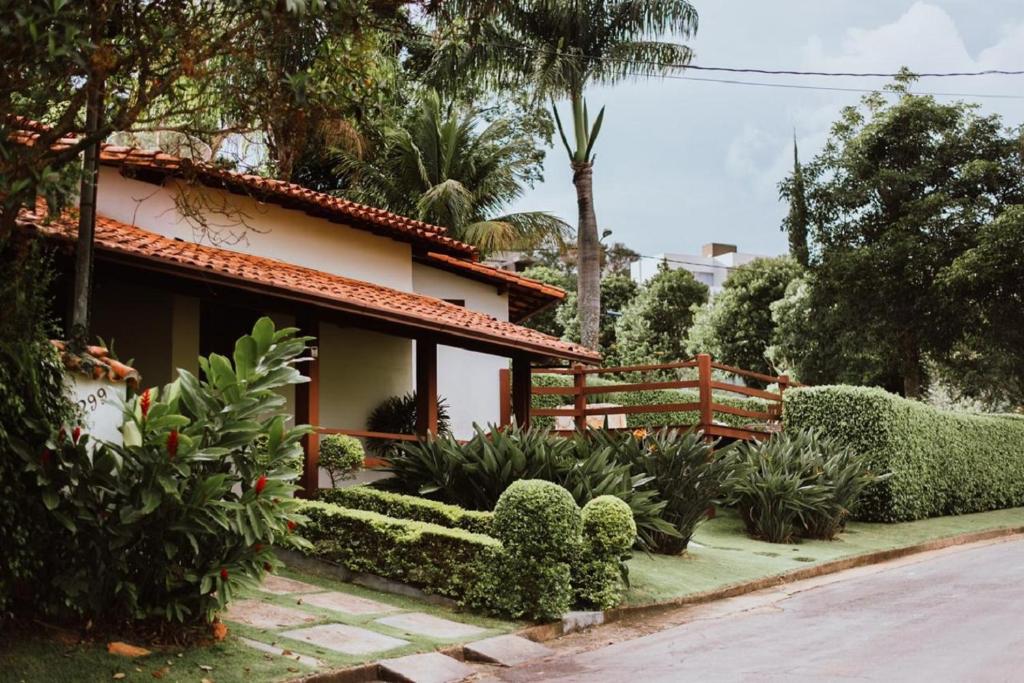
<point x="711" y="267"/>
<point x="189" y="255"/>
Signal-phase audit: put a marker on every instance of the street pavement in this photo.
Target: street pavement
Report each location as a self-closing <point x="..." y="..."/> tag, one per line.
<point x="951" y="615"/>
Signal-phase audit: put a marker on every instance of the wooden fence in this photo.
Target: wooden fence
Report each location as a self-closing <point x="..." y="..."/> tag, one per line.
<point x="756" y="424"/>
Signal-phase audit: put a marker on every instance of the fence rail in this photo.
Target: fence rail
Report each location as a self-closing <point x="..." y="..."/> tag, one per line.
<point x="714" y="417"/>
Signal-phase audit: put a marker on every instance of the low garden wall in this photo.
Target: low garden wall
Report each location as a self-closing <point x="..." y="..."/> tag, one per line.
<point x="942" y="462"/>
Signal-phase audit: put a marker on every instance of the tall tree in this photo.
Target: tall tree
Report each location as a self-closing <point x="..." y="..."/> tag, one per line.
<point x="902" y="189"/>
<point x="563" y="47"/>
<point x="446" y="167"/>
<point x="653" y="327"/>
<point x="795" y="222"/>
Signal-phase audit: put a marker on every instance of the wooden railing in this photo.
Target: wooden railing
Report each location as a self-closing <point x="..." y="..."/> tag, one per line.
<point x="709" y="407"/>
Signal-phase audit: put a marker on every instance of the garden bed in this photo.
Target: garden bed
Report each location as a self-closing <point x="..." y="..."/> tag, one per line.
<point x="722" y="554"/>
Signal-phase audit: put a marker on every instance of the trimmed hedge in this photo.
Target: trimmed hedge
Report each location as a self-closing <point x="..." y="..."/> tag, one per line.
<point x="641" y="398"/>
<point x="942" y="462"/>
<point x="608" y="535"/>
<point x="409" y="507"/>
<point x="438" y="559"/>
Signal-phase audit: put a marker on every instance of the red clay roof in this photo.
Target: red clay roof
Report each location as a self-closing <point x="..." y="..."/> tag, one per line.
<point x="314" y="287"/>
<point x="136" y="161"/>
<point x="95" y="362"/>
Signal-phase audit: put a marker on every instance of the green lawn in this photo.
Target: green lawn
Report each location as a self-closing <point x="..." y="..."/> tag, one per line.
<point x="726" y="555"/>
<point x="38" y="657"/>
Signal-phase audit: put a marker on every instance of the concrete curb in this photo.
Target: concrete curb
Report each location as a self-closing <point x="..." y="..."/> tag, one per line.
<point x="545" y="632"/>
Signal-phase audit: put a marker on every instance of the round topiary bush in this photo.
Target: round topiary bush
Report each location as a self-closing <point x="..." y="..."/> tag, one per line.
<point x="538" y="519"/>
<point x="608" y="526"/>
<point x="341" y="456"/>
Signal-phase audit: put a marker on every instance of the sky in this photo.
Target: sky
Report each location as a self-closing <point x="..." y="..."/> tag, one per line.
<point x="681" y="163"/>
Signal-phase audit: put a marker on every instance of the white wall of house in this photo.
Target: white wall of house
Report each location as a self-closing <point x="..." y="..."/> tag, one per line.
<point x="468" y="380"/>
<point x="264" y="229"/>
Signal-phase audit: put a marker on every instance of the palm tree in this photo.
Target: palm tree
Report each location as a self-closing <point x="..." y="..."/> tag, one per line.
<point x="562" y="46"/>
<point x="444" y="166"/>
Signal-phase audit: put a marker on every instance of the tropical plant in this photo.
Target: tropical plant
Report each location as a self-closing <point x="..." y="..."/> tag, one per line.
<point x="397" y="415"/>
<point x="798" y="483"/>
<point x="444" y="167"/>
<point x="173" y="522"/>
<point x="617" y="292"/>
<point x="342" y="456"/>
<point x="686" y="471"/>
<point x="475" y="474"/>
<point x="561" y="48"/>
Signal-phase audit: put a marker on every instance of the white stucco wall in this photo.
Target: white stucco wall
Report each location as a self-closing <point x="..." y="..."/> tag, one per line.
<point x="266" y="229"/>
<point x="468" y="380"/>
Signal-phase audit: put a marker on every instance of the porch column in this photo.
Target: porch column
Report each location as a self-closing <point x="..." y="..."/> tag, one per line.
<point x="307" y="408"/>
<point x="426" y="387"/>
<point x="522" y="382"/>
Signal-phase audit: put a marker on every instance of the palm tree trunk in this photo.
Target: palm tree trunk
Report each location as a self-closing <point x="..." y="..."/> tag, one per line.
<point x="588" y="256"/>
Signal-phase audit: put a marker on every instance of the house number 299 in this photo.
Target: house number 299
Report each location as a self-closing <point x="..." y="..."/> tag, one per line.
<point x="92" y="401"/>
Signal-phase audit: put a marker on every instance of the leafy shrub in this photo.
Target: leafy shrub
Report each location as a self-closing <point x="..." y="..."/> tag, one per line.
<point x="342" y="456"/>
<point x="450" y="562"/>
<point x="796" y="484"/>
<point x="608" y="533"/>
<point x="33" y="404"/>
<point x="475" y="474"/>
<point x="684" y="470"/>
<point x="539" y="524"/>
<point x="941" y="462"/>
<point x="409" y="507"/>
<point x="397" y="415"/>
<point x="171" y="523"/>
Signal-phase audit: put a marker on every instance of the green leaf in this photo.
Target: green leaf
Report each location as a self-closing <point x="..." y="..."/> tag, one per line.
<point x="50" y="500"/>
<point x="263" y="335"/>
<point x="246" y="354"/>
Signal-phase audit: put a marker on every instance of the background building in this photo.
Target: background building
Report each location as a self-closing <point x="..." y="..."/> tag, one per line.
<point x="711" y="267"/>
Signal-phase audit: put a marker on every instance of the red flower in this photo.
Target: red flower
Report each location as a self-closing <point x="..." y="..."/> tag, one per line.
<point x="45" y="457"/>
<point x="144" y="403"/>
<point x="224" y="573"/>
<point x="172" y="443"/>
<point x="261" y="484"/>
<point x="256" y="547"/>
<point x="291" y="525"/>
<point x="61" y="435"/>
<point x="76" y="434"/>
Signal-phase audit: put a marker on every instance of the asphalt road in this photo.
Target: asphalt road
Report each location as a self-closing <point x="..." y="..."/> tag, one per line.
<point x="954" y="615"/>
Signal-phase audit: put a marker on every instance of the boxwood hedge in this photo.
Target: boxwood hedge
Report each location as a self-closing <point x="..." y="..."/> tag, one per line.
<point x="409" y="507"/>
<point x="942" y="462"/>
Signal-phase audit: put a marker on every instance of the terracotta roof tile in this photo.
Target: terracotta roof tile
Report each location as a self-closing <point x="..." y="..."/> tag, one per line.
<point x="134" y="159"/>
<point x="95" y="362"/>
<point x="318" y="287"/>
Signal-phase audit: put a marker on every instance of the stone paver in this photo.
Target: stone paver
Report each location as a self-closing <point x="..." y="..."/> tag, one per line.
<point x="432" y="667"/>
<point x="349" y="640"/>
<point x="431" y="626"/>
<point x="274" y="650"/>
<point x="349" y="604"/>
<point x="281" y="585"/>
<point x="507" y="650"/>
<point x="265" y="615"/>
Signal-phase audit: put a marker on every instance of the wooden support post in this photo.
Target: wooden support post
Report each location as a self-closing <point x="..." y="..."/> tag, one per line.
<point x="704" y="379"/>
<point x="505" y="397"/>
<point x="522" y="385"/>
<point x="426" y="387"/>
<point x="307" y="408"/>
<point x="579" y="382"/>
<point x="783" y="385"/>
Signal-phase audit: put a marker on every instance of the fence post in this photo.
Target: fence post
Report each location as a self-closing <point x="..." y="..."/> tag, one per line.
<point x="579" y="383"/>
<point x="704" y="387"/>
<point x="505" y="397"/>
<point x="783" y="384"/>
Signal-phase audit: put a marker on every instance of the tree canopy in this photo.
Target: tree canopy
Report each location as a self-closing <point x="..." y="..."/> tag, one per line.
<point x="654" y="326"/>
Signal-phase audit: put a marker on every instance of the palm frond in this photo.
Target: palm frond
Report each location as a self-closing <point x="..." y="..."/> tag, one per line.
<point x="525" y="230"/>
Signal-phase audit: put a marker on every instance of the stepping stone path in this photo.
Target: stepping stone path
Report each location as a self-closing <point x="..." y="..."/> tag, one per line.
<point x="274" y="650"/>
<point x="308" y="630"/>
<point x="349" y="604"/>
<point x="432" y="667"/>
<point x="434" y="627"/>
<point x="508" y="650"/>
<point x="349" y="640"/>
<point x="282" y="585"/>
<point x="266" y="615"/>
